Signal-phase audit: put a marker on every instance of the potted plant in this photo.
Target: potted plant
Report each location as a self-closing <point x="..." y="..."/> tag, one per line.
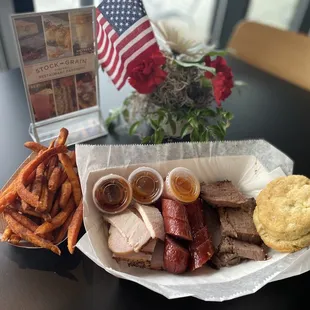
<point x="179" y="91"/>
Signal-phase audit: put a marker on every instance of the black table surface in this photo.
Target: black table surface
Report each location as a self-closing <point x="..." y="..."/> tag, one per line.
<point x="266" y="107"/>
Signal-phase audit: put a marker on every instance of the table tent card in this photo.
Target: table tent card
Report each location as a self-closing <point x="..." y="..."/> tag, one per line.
<point x="58" y="59"/>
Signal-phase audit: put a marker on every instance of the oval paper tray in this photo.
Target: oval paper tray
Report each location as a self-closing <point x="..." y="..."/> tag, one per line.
<point x="250" y="165"/>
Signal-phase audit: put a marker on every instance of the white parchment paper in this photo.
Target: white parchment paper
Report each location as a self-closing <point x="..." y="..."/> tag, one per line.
<point x="250" y="165"/>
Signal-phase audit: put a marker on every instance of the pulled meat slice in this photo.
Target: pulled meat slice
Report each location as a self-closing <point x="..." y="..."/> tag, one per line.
<point x="175" y="219"/>
<point x="225" y="194"/>
<point x="176" y="257"/>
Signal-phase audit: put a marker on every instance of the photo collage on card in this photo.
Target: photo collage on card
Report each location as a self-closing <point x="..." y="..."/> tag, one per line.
<point x="55" y="36"/>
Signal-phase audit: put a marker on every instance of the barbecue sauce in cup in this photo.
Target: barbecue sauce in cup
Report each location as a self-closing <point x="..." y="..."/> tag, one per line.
<point x="182" y="185"/>
<point x="112" y="194"/>
<point x="147" y="185"/>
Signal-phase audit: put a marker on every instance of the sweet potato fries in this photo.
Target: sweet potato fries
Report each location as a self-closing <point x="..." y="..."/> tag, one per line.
<point x="44" y="201"/>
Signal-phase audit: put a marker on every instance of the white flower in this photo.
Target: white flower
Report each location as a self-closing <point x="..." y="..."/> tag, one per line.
<point x="175" y="40"/>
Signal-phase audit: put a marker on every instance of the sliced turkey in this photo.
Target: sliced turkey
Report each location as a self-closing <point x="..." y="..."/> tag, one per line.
<point x="131" y="228"/>
<point x="117" y="243"/>
<point x="149" y="247"/>
<point x="157" y="261"/>
<point x="153" y="220"/>
<point x="141" y="260"/>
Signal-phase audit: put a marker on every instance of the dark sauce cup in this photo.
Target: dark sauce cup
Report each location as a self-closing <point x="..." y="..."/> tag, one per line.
<point x="112" y="194"/>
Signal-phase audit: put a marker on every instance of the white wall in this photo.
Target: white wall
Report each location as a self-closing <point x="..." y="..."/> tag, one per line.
<point x="198" y="11"/>
<point x="7" y="37"/>
<point x="54" y="5"/>
<point x="277" y="13"/>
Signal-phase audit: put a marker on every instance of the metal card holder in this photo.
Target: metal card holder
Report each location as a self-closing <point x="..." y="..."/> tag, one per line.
<point x="58" y="60"/>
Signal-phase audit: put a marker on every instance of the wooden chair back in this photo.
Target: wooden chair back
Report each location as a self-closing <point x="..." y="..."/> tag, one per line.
<point x="284" y="54"/>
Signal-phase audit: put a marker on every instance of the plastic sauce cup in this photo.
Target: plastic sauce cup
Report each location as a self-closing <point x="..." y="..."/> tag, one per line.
<point x="147" y="185"/>
<point x="112" y="194"/>
<point x="181" y="184"/>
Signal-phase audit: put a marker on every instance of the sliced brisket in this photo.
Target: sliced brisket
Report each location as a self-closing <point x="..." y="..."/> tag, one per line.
<point x="225" y="194"/>
<point x="238" y="223"/>
<point x="225" y="259"/>
<point x="242" y="249"/>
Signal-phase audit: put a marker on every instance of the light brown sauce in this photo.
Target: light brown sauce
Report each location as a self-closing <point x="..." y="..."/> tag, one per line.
<point x="145" y="187"/>
<point x="184" y="188"/>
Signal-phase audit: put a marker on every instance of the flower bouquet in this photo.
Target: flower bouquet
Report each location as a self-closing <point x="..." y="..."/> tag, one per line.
<point x="179" y="92"/>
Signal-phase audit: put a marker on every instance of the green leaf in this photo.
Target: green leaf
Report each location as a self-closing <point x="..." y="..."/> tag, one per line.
<point x="134" y="127"/>
<point x="159" y="136"/>
<point x="227" y="116"/>
<point x="193" y="64"/>
<point x="185" y="130"/>
<point x="161" y="113"/>
<point x="160" y="118"/>
<point x="126" y="115"/>
<point x="217" y="53"/>
<point x="126" y="102"/>
<point x="208" y="112"/>
<point x="204" y="136"/>
<point x="172" y="124"/>
<point x="206" y="83"/>
<point x="194" y="123"/>
<point x="219" y="110"/>
<point x="146" y="140"/>
<point x="154" y="123"/>
<point x="194" y="135"/>
<point x="217" y="132"/>
<point x="113" y="116"/>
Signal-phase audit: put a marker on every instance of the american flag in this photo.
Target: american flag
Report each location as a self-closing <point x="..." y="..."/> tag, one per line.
<point x="124" y="37"/>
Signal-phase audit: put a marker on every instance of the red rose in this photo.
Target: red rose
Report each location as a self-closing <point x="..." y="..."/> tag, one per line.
<point x="146" y="76"/>
<point x="222" y="81"/>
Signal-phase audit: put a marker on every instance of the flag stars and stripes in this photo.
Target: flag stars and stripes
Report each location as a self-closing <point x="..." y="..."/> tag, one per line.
<point x="125" y="36"/>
